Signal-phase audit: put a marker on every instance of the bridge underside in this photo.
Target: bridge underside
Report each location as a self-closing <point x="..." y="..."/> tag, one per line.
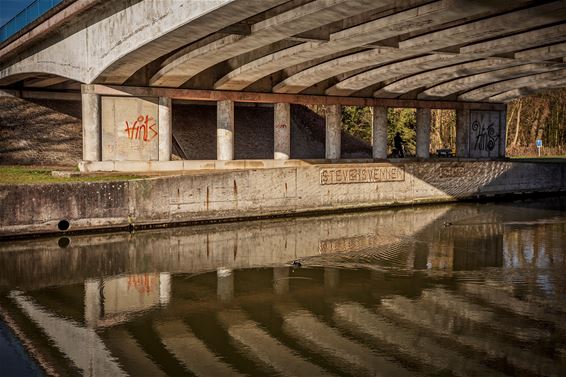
<point x="472" y="56"/>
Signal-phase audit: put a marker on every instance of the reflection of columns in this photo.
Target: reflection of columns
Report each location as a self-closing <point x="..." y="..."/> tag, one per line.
<point x="503" y="133"/>
<point x="331" y="278"/>
<point x="423" y="133"/>
<point x="225" y="130"/>
<point x="462" y="133"/>
<point x="92" y="131"/>
<point x="164" y="288"/>
<point x="380" y="132"/>
<point x="225" y="284"/>
<point x="282" y="131"/>
<point x="281" y="280"/>
<point x="165" y="129"/>
<point x="421" y="256"/>
<point x="333" y="127"/>
<point x="92" y="302"/>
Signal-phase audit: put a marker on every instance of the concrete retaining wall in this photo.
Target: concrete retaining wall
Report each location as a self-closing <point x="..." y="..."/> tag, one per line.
<point x="224" y="195"/>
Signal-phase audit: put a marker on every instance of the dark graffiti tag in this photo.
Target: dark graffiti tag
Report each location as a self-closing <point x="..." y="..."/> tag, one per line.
<point x="486" y="138"/>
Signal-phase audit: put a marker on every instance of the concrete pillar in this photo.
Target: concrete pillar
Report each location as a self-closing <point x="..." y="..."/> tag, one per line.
<point x="225" y="284"/>
<point x="423" y="133"/>
<point x="92" y="305"/>
<point x="379" y="132"/>
<point x="165" y="129"/>
<point x="281" y="280"/>
<point x="164" y="288"/>
<point x="333" y="134"/>
<point x="92" y="130"/>
<point x="282" y="131"/>
<point x="462" y="133"/>
<point x="503" y="133"/>
<point x="225" y="130"/>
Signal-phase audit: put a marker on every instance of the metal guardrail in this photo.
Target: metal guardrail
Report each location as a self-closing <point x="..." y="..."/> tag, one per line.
<point x="31" y="13"/>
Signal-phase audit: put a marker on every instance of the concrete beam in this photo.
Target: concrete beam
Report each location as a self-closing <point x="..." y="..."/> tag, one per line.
<point x="185" y="64"/>
<point x="333" y="131"/>
<point x="45" y="82"/>
<point x="423" y="133"/>
<point x="282" y="131"/>
<point x="253" y="97"/>
<point x="490" y="27"/>
<point x="379" y="135"/>
<point x="462" y="133"/>
<point x="527" y="90"/>
<point x="485" y="92"/>
<point x="391" y="71"/>
<point x="92" y="130"/>
<point x="474" y="81"/>
<point x="543" y="53"/>
<point x="165" y="128"/>
<point x="225" y="130"/>
<point x="386" y="27"/>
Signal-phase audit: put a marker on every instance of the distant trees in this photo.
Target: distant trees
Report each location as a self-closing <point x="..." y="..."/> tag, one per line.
<point x="540" y="116"/>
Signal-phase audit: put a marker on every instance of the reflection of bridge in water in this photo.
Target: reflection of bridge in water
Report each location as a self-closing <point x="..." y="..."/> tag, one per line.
<point x="147" y="310"/>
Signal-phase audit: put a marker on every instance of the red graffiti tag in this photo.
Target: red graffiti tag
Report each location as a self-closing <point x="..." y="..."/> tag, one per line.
<point x="142" y="129"/>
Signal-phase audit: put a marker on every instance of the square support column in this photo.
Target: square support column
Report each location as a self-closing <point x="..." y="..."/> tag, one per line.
<point x="379" y="132"/>
<point x="92" y="130"/>
<point x="333" y="131"/>
<point x="462" y="133"/>
<point x="165" y="129"/>
<point x="503" y="133"/>
<point x="282" y="131"/>
<point x="423" y="133"/>
<point x="225" y="130"/>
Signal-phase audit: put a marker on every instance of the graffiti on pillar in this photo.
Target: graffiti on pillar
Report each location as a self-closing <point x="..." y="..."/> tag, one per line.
<point x="282" y="126"/>
<point x="485" y="133"/>
<point x="486" y="136"/>
<point x="143" y="128"/>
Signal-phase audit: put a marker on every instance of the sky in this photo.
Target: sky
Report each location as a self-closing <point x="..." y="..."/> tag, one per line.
<point x="9" y="8"/>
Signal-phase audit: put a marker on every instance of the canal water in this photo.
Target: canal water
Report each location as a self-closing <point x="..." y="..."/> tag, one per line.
<point x="470" y="289"/>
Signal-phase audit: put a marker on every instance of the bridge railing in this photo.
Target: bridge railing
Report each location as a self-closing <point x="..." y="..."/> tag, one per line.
<point x="31" y="13"/>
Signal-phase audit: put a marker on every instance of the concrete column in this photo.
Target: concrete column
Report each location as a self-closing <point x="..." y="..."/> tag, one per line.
<point x="282" y="131"/>
<point x="462" y="133"/>
<point x="225" y="284"/>
<point x="503" y="133"/>
<point x="92" y="303"/>
<point x="164" y="288"/>
<point x="165" y="129"/>
<point x="333" y="135"/>
<point x="92" y="130"/>
<point x="225" y="130"/>
<point x="423" y="133"/>
<point x="379" y="132"/>
<point x="281" y="280"/>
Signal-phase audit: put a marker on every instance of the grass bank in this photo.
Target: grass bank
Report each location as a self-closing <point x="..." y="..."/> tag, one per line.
<point x="25" y="175"/>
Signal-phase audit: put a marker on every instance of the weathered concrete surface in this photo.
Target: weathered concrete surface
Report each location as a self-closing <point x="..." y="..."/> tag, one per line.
<point x="268" y="192"/>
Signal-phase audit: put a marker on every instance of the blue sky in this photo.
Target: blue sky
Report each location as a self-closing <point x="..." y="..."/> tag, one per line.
<point x="9" y="8"/>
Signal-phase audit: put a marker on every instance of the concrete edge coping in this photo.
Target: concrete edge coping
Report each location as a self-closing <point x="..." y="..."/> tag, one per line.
<point x="198" y="165"/>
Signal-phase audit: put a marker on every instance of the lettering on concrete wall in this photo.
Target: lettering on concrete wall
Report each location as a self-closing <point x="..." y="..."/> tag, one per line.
<point x="486" y="136"/>
<point x="143" y="128"/>
<point x="374" y="174"/>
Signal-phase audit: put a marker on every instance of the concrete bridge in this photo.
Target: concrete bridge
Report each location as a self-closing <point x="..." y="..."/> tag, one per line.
<point x="127" y="61"/>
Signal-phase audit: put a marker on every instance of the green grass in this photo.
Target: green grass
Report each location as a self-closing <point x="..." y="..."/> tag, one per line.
<point x="21" y="175"/>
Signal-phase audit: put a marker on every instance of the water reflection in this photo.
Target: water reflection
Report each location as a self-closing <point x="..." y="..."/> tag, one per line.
<point x="468" y="289"/>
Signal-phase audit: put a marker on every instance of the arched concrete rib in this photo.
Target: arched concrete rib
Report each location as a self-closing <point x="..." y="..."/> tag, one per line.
<point x="383" y="28"/>
<point x="543" y="53"/>
<point x="468" y="83"/>
<point x="490" y="27"/>
<point x="412" y="66"/>
<point x="190" y="61"/>
<point x="478" y="50"/>
<point x="313" y="75"/>
<point x="485" y="92"/>
<point x="527" y="90"/>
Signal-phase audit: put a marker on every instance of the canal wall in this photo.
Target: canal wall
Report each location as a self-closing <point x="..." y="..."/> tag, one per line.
<point x="255" y="193"/>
